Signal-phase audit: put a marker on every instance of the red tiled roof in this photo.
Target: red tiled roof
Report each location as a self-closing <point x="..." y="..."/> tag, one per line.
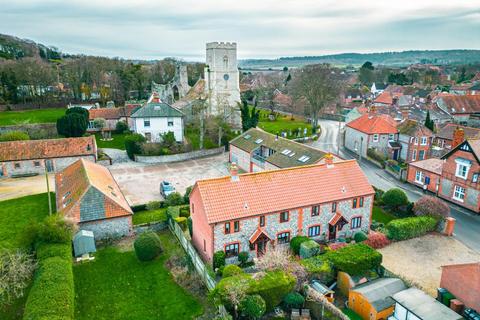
<point x="105" y="113"/>
<point x="257" y="234"/>
<point x="374" y="123"/>
<point x="48" y="148"/>
<point x="335" y="219"/>
<point x="446" y="132"/>
<point x="385" y="98"/>
<point x="462" y="104"/>
<point x="77" y="178"/>
<point x="433" y="165"/>
<point x="284" y="189"/>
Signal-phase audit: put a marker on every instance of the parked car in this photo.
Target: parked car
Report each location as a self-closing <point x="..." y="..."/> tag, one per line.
<point x="166" y="188"/>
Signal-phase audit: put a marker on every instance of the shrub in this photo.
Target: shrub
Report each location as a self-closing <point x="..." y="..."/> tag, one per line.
<point x="355" y="259"/>
<point x="309" y="249"/>
<point x="72" y="125"/>
<point x="133" y="144"/>
<point x="186" y="196"/>
<point x="407" y="228"/>
<point x="84" y="113"/>
<point x="273" y="287"/>
<point x="360" y="236"/>
<point x="52" y="294"/>
<point x="231" y="270"/>
<point x="14" y="136"/>
<point x="395" y="198"/>
<point x="147" y="246"/>
<point x="218" y="259"/>
<point x="185" y="212"/>
<point x="431" y="206"/>
<point x="276" y="258"/>
<point x="375" y="155"/>
<point x="319" y="268"/>
<point x="243" y="257"/>
<point x="377" y="240"/>
<point x="182" y="222"/>
<point x="190" y="226"/>
<point x="61" y="250"/>
<point x="16" y="270"/>
<point x="293" y="300"/>
<point x="121" y="127"/>
<point x="296" y="242"/>
<point x="378" y="194"/>
<point x="253" y="306"/>
<point x="232" y="290"/>
<point x="153" y="205"/>
<point x="173" y="212"/>
<point x="53" y="229"/>
<point x="173" y="199"/>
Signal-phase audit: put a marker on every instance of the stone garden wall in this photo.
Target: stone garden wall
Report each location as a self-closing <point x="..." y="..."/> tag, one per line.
<point x="179" y="157"/>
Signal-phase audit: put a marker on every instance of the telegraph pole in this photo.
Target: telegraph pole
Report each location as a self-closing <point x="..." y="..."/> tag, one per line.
<point x="48" y="188"/>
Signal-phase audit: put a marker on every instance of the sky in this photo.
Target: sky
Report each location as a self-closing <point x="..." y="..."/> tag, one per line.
<point x="154" y="29"/>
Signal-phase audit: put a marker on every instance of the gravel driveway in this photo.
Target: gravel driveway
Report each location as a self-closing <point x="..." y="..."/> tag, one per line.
<point x="140" y="183"/>
<point x="11" y="188"/>
<point x="419" y="260"/>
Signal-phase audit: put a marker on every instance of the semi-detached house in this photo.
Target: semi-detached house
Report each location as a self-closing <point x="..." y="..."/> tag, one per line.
<point x="255" y="212"/>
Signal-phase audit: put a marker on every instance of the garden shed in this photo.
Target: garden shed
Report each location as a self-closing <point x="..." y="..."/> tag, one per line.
<point x="83" y="243"/>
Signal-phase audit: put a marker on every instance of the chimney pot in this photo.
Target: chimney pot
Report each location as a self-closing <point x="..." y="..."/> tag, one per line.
<point x="329" y="160"/>
<point x="234" y="172"/>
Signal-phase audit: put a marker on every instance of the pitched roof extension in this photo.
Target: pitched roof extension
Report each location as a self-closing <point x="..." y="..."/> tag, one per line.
<point x="374" y="124"/>
<point x="47" y="148"/>
<point x="433" y="165"/>
<point x="273" y="191"/>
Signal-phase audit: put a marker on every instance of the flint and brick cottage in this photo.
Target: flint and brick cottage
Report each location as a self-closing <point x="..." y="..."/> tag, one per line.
<point x="87" y="194"/>
<point x="31" y="157"/>
<point x="254" y="212"/>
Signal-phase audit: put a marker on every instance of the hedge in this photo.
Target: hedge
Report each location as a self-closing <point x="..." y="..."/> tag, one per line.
<point x="273" y="287"/>
<point x="355" y="259"/>
<point x="319" y="268"/>
<point x="407" y="228"/>
<point x="52" y="294"/>
<point x="296" y="242"/>
<point x="61" y="250"/>
<point x="309" y="249"/>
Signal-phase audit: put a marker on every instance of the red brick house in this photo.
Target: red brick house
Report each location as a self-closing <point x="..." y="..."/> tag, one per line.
<point x="463" y="281"/>
<point x="416" y="140"/>
<point x="425" y="173"/>
<point x="460" y="175"/>
<point x="87" y="194"/>
<point x="255" y="211"/>
<point x="444" y="136"/>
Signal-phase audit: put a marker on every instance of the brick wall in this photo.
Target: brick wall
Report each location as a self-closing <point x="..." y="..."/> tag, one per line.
<point x="434" y="178"/>
<point x="463" y="282"/>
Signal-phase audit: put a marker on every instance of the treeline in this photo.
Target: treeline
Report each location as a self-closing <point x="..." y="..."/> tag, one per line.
<point x="34" y="73"/>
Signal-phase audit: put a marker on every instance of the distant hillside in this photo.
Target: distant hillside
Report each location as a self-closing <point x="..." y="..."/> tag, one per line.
<point x="16" y="48"/>
<point x="404" y="58"/>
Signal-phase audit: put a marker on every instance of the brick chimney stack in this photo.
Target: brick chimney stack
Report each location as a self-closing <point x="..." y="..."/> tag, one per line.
<point x="234" y="172"/>
<point x="458" y="137"/>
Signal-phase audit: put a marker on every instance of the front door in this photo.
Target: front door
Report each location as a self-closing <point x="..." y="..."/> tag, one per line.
<point x="332" y="232"/>
<point x="49" y="165"/>
<point x="395" y="154"/>
<point x="261" y="247"/>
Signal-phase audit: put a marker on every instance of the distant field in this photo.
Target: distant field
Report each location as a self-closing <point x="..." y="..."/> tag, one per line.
<point x="8" y="118"/>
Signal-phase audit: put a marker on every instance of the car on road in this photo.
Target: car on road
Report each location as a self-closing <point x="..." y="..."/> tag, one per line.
<point x="166" y="188"/>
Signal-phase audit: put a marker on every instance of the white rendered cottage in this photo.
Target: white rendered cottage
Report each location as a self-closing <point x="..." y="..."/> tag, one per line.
<point x="157" y="118"/>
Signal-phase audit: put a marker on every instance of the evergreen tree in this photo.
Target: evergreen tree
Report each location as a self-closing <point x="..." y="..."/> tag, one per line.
<point x="250" y="117"/>
<point x="429" y="122"/>
<point x="72" y="125"/>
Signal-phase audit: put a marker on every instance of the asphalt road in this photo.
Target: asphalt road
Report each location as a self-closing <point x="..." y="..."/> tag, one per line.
<point x="467" y="228"/>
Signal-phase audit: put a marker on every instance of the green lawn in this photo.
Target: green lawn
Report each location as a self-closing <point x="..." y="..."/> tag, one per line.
<point x="282" y="123"/>
<point x="381" y="215"/>
<point x="149" y="216"/>
<point x="17" y="214"/>
<point x="118" y="286"/>
<point x="351" y="314"/>
<point x="118" y="141"/>
<point x="30" y="116"/>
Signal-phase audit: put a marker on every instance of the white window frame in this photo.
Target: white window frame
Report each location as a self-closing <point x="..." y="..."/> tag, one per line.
<point x="421" y="154"/>
<point x="459" y="193"/>
<point x="419" y="176"/>
<point x="314" y="231"/>
<point x="414" y="155"/>
<point x="375" y="137"/>
<point x="91" y="124"/>
<point x="416" y="140"/>
<point x="423" y="141"/>
<point x="356" y="223"/>
<point x="145" y="123"/>
<point x="391" y="137"/>
<point x="170" y="120"/>
<point x="461" y="171"/>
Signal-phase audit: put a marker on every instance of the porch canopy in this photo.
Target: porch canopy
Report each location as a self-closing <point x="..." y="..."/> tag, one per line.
<point x="337" y="219"/>
<point x="259" y="233"/>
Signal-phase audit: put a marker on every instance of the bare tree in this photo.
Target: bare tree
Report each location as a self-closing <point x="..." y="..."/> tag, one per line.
<point x="16" y="270"/>
<point x="318" y="86"/>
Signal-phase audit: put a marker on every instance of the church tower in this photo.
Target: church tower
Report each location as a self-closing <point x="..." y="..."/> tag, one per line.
<point x="222" y="81"/>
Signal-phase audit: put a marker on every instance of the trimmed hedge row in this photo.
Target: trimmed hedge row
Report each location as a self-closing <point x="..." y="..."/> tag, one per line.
<point x="52" y="294"/>
<point x="61" y="250"/>
<point x="407" y="228"/>
<point x="355" y="259"/>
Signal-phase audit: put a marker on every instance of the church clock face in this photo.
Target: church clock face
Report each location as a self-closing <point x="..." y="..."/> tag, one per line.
<point x="226" y="77"/>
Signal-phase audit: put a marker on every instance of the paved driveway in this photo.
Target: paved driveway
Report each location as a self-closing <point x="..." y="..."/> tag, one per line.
<point x="140" y="183"/>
